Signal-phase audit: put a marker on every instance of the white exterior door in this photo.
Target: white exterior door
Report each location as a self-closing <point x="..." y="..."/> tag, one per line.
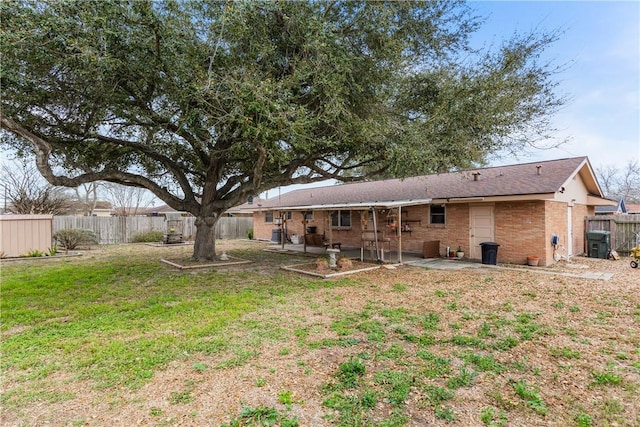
<point x="481" y="228"/>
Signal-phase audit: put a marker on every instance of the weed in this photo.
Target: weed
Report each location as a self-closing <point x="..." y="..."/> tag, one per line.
<point x="260" y="382"/>
<point x="374" y="330"/>
<point x="505" y="343"/>
<point x="493" y="417"/>
<point x="156" y="412"/>
<point x="351" y="407"/>
<point x="181" y="398"/>
<point x="395" y="419"/>
<point x="484" y="363"/>
<point x="430" y="321"/>
<point x="464" y="341"/>
<point x="583" y="420"/>
<point x="465" y="378"/>
<point x="394" y="352"/>
<point x="605" y="378"/>
<point x="440" y="293"/>
<point x="531" y="396"/>
<point x="284" y="351"/>
<point x="261" y="416"/>
<point x="564" y="352"/>
<point x="399" y="287"/>
<point x="574" y="309"/>
<point x="350" y="372"/>
<point x="435" y="366"/>
<point x="445" y="413"/>
<point x="199" y="366"/>
<point x="436" y="395"/>
<point x="34" y="253"/>
<point x="398" y="385"/>
<point x="285" y="397"/>
<point x="485" y="331"/>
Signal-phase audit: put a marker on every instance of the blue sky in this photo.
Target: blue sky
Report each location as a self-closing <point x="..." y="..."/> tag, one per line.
<point x="601" y="45"/>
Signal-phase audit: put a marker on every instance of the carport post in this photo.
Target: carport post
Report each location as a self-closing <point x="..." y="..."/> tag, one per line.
<point x="399" y="234"/>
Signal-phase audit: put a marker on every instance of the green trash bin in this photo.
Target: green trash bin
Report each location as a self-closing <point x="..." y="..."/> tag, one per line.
<point x="598" y="243"/>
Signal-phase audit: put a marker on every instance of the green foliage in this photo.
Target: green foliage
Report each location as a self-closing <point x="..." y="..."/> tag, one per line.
<point x="74" y="238"/>
<point x="531" y="396"/>
<point x="150" y="236"/>
<point x="261" y="416"/>
<point x="350" y="372"/>
<point x="34" y="253"/>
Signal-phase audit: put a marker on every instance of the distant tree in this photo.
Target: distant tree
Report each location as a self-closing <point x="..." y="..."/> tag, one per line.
<point x="206" y="103"/>
<point x="619" y="183"/>
<point x="26" y="192"/>
<point x="87" y="196"/>
<point x="128" y="201"/>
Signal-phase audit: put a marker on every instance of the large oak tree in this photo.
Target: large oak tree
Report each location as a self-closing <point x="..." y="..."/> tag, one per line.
<point x="205" y="103"/>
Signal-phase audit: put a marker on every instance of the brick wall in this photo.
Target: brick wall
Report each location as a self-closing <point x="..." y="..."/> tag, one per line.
<point x="521" y="228"/>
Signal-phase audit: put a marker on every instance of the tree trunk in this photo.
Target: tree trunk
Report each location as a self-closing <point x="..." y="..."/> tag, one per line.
<point x="204" y="248"/>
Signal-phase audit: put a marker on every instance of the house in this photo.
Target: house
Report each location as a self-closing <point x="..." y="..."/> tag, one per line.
<point x="633" y="209"/>
<point x="520" y="207"/>
<point x="615" y="209"/>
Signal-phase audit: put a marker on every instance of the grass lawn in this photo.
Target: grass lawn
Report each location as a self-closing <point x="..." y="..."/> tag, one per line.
<point x="115" y="337"/>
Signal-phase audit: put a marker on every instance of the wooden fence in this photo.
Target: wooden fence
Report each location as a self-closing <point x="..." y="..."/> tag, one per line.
<point x="625" y="230"/>
<point x="121" y="229"/>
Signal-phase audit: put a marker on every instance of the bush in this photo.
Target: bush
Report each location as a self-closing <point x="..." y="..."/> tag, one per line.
<point x="73" y="238"/>
<point x="150" y="236"/>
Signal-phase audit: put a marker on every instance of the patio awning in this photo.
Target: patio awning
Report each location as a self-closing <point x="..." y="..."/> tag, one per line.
<point x="352" y="205"/>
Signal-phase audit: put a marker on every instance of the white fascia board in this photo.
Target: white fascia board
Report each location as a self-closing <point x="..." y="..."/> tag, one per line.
<point x="353" y="205"/>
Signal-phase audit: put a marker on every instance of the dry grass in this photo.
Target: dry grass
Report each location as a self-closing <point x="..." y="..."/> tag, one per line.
<point x="577" y="350"/>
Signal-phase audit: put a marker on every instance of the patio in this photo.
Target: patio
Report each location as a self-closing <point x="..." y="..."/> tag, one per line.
<point x="367" y="255"/>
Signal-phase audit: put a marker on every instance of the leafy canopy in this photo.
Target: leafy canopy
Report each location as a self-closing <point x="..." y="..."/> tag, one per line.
<point x="206" y="103"/>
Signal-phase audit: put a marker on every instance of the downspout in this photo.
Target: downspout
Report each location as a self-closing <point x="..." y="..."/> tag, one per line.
<point x="399" y="232"/>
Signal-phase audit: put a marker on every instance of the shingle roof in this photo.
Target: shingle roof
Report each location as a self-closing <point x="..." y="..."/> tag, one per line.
<point x="545" y="177"/>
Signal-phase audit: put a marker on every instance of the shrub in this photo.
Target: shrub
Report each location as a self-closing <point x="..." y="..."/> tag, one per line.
<point x="73" y="238"/>
<point x="147" y="237"/>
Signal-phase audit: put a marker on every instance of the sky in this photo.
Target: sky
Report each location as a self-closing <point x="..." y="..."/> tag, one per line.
<point x="601" y="47"/>
<point x="600" y="54"/>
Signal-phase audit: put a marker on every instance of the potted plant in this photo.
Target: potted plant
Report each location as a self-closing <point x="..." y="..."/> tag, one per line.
<point x="459" y="252"/>
<point x="532" y="260"/>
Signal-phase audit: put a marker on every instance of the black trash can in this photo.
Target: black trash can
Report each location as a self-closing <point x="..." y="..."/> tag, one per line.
<point x="276" y="235"/>
<point x="599" y="243"/>
<point x="489" y="253"/>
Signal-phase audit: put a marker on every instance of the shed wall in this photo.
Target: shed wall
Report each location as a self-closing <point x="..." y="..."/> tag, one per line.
<point x="21" y="234"/>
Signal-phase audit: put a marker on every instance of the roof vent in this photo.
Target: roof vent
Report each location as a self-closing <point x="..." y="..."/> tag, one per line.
<point x="539" y="170"/>
<point x="476" y="176"/>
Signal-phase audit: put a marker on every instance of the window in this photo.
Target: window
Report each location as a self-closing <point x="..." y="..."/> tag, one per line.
<point x="308" y="216"/>
<point x="341" y="219"/>
<point x="437" y="214"/>
<point x="288" y="215"/>
<point x="268" y="217"/>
